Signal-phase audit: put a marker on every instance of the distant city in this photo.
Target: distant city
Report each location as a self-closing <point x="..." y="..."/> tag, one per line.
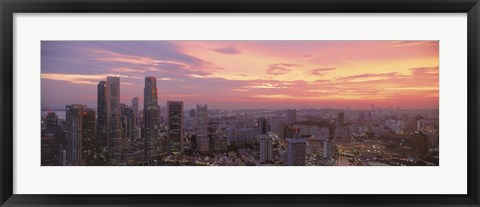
<point x="239" y="103"/>
<point x="125" y="135"/>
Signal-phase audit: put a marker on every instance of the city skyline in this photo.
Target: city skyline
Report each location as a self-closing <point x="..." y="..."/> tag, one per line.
<point x="246" y="74"/>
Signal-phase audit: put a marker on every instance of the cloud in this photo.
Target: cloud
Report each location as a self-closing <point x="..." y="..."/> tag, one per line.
<point x="280" y="68"/>
<point x="227" y="50"/>
<point x="425" y="71"/>
<point x="320" y="71"/>
<point x="126" y="70"/>
<point x="368" y="77"/>
<point x="412" y="43"/>
<point x="81" y="79"/>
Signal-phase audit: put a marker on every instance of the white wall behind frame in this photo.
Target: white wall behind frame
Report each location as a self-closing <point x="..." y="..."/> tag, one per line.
<point x="449" y="177"/>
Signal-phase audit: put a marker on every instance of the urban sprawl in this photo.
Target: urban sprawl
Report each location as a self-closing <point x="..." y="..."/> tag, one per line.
<point x="121" y="135"/>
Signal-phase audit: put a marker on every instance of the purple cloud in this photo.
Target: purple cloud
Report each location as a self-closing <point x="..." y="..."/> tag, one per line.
<point x="280" y="68"/>
<point x="227" y="50"/>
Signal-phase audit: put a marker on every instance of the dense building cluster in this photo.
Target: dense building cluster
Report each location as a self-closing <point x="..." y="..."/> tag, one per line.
<point x="118" y="134"/>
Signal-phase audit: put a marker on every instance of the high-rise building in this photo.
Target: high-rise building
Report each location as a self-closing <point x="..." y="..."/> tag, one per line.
<point x="88" y="136"/>
<point x="328" y="148"/>
<point x="74" y="117"/>
<point x="150" y="113"/>
<point x="419" y="144"/>
<point x="51" y="122"/>
<point x="218" y="143"/>
<point x="201" y="124"/>
<point x="128" y="122"/>
<point x="262" y="126"/>
<point x="266" y="148"/>
<point x="231" y="134"/>
<point x="101" y="138"/>
<point x="137" y="122"/>
<point x="296" y="152"/>
<point x="114" y="124"/>
<point x="49" y="154"/>
<point x="245" y="136"/>
<point x="175" y="126"/>
<point x="135" y="104"/>
<point x="340" y="119"/>
<point x="291" y="116"/>
<point x="192" y="113"/>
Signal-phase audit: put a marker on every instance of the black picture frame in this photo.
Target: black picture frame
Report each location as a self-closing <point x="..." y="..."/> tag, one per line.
<point x="10" y="7"/>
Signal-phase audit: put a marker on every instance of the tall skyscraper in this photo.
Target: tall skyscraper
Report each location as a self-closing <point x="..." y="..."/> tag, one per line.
<point x="114" y="125"/>
<point x="296" y="152"/>
<point x="101" y="138"/>
<point x="175" y="126"/>
<point x="74" y="123"/>
<point x="262" y="125"/>
<point x="135" y="104"/>
<point x="201" y="121"/>
<point x="328" y="148"/>
<point x="150" y="113"/>
<point x="128" y="122"/>
<point x="88" y="136"/>
<point x="266" y="148"/>
<point x="340" y="119"/>
<point x="291" y="116"/>
<point x="136" y="119"/>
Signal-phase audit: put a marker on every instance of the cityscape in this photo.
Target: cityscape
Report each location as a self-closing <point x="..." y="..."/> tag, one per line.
<point x="239" y="103"/>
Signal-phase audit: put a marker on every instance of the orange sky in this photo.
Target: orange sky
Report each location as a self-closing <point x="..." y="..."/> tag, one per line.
<point x="249" y="74"/>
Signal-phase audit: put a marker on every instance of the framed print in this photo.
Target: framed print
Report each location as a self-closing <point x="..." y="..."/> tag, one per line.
<point x="239" y="103"/>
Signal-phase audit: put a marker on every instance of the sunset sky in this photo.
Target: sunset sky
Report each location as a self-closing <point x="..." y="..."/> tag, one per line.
<point x="246" y="74"/>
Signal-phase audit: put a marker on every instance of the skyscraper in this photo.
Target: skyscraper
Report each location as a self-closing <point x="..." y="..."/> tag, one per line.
<point x="150" y="113"/>
<point x="296" y="152"/>
<point x="201" y="121"/>
<point x="328" y="148"/>
<point x="88" y="136"/>
<point x="340" y="119"/>
<point x="101" y="138"/>
<point x="262" y="125"/>
<point x="74" y="117"/>
<point x="175" y="126"/>
<point x="291" y="116"/>
<point x="135" y="104"/>
<point x="136" y="120"/>
<point x="266" y="148"/>
<point x="114" y="125"/>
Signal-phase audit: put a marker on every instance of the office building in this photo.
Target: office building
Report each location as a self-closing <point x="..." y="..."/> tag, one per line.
<point x="101" y="138"/>
<point x="296" y="152"/>
<point x="201" y="125"/>
<point x="266" y="148"/>
<point x="328" y="148"/>
<point x="175" y="126"/>
<point x="88" y="136"/>
<point x="114" y="125"/>
<point x="340" y="119"/>
<point x="262" y="126"/>
<point x="150" y="114"/>
<point x="291" y="116"/>
<point x="73" y="128"/>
